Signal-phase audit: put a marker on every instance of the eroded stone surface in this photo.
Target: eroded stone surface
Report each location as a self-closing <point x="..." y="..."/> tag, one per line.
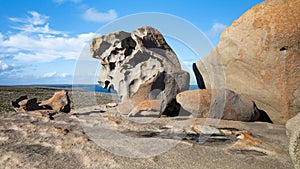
<point x="258" y="56"/>
<point x="58" y="102"/>
<point x="219" y="104"/>
<point x="140" y="66"/>
<point x="293" y="132"/>
<point x="32" y="140"/>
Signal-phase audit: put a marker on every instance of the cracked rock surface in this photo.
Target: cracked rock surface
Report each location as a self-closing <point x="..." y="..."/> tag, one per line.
<point x="32" y="140"/>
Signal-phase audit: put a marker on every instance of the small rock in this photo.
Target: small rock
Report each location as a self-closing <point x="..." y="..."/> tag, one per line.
<point x="226" y="132"/>
<point x="147" y="108"/>
<point x="189" y="130"/>
<point x="207" y="130"/>
<point x="18" y="100"/>
<point x="248" y="142"/>
<point x="111" y="105"/>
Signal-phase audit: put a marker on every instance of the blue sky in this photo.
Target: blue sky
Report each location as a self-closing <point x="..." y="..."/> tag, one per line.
<point x="40" y="41"/>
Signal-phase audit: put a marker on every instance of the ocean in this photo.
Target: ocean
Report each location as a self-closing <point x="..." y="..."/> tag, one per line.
<point x="91" y="88"/>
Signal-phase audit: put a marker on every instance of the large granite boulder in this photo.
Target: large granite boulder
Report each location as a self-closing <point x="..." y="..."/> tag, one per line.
<point x="293" y="132"/>
<point x="140" y="66"/>
<point x="258" y="56"/>
<point x="221" y="104"/>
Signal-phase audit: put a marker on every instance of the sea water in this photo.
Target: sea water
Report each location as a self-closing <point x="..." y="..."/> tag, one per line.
<point x="94" y="88"/>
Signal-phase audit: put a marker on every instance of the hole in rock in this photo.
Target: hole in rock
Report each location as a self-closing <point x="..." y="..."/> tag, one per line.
<point x="106" y="84"/>
<point x="129" y="45"/>
<point x="159" y="83"/>
<point x="264" y="117"/>
<point x="199" y="78"/>
<point x="284" y="48"/>
<point x="111" y="87"/>
<point x="112" y="65"/>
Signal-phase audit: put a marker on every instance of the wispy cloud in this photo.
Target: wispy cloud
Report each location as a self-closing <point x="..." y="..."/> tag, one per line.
<point x="36" y="41"/>
<point x="216" y="30"/>
<point x="93" y="15"/>
<point x="34" y="23"/>
<point x="49" y="74"/>
<point x="55" y="75"/>
<point x="35" y="18"/>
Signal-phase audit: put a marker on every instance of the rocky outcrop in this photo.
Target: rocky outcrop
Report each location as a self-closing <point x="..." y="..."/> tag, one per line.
<point x="258" y="56"/>
<point x="58" y="102"/>
<point x="293" y="132"/>
<point x="140" y="66"/>
<point x="220" y="104"/>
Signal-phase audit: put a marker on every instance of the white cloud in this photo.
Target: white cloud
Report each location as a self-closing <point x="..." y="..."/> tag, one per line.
<point x="3" y="66"/>
<point x="6" y="67"/>
<point x="44" y="48"/>
<point x="38" y="29"/>
<point x="34" y="19"/>
<point x="64" y="75"/>
<point x="93" y="15"/>
<point x="35" y="23"/>
<point x="55" y="75"/>
<point x="1" y="37"/>
<point x="216" y="30"/>
<point x="35" y="42"/>
<point x="49" y="74"/>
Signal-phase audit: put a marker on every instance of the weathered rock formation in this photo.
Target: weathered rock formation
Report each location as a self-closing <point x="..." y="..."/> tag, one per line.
<point x="220" y="104"/>
<point x="293" y="132"/>
<point x="23" y="104"/>
<point x="259" y="56"/>
<point x="140" y="66"/>
<point x="58" y="102"/>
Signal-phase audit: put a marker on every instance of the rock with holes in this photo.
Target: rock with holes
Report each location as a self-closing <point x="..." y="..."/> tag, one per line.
<point x="139" y="65"/>
<point x="218" y="103"/>
<point x="258" y="56"/>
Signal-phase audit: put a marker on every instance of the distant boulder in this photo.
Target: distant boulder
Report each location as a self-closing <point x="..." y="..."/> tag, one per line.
<point x="18" y="100"/>
<point x="58" y="102"/>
